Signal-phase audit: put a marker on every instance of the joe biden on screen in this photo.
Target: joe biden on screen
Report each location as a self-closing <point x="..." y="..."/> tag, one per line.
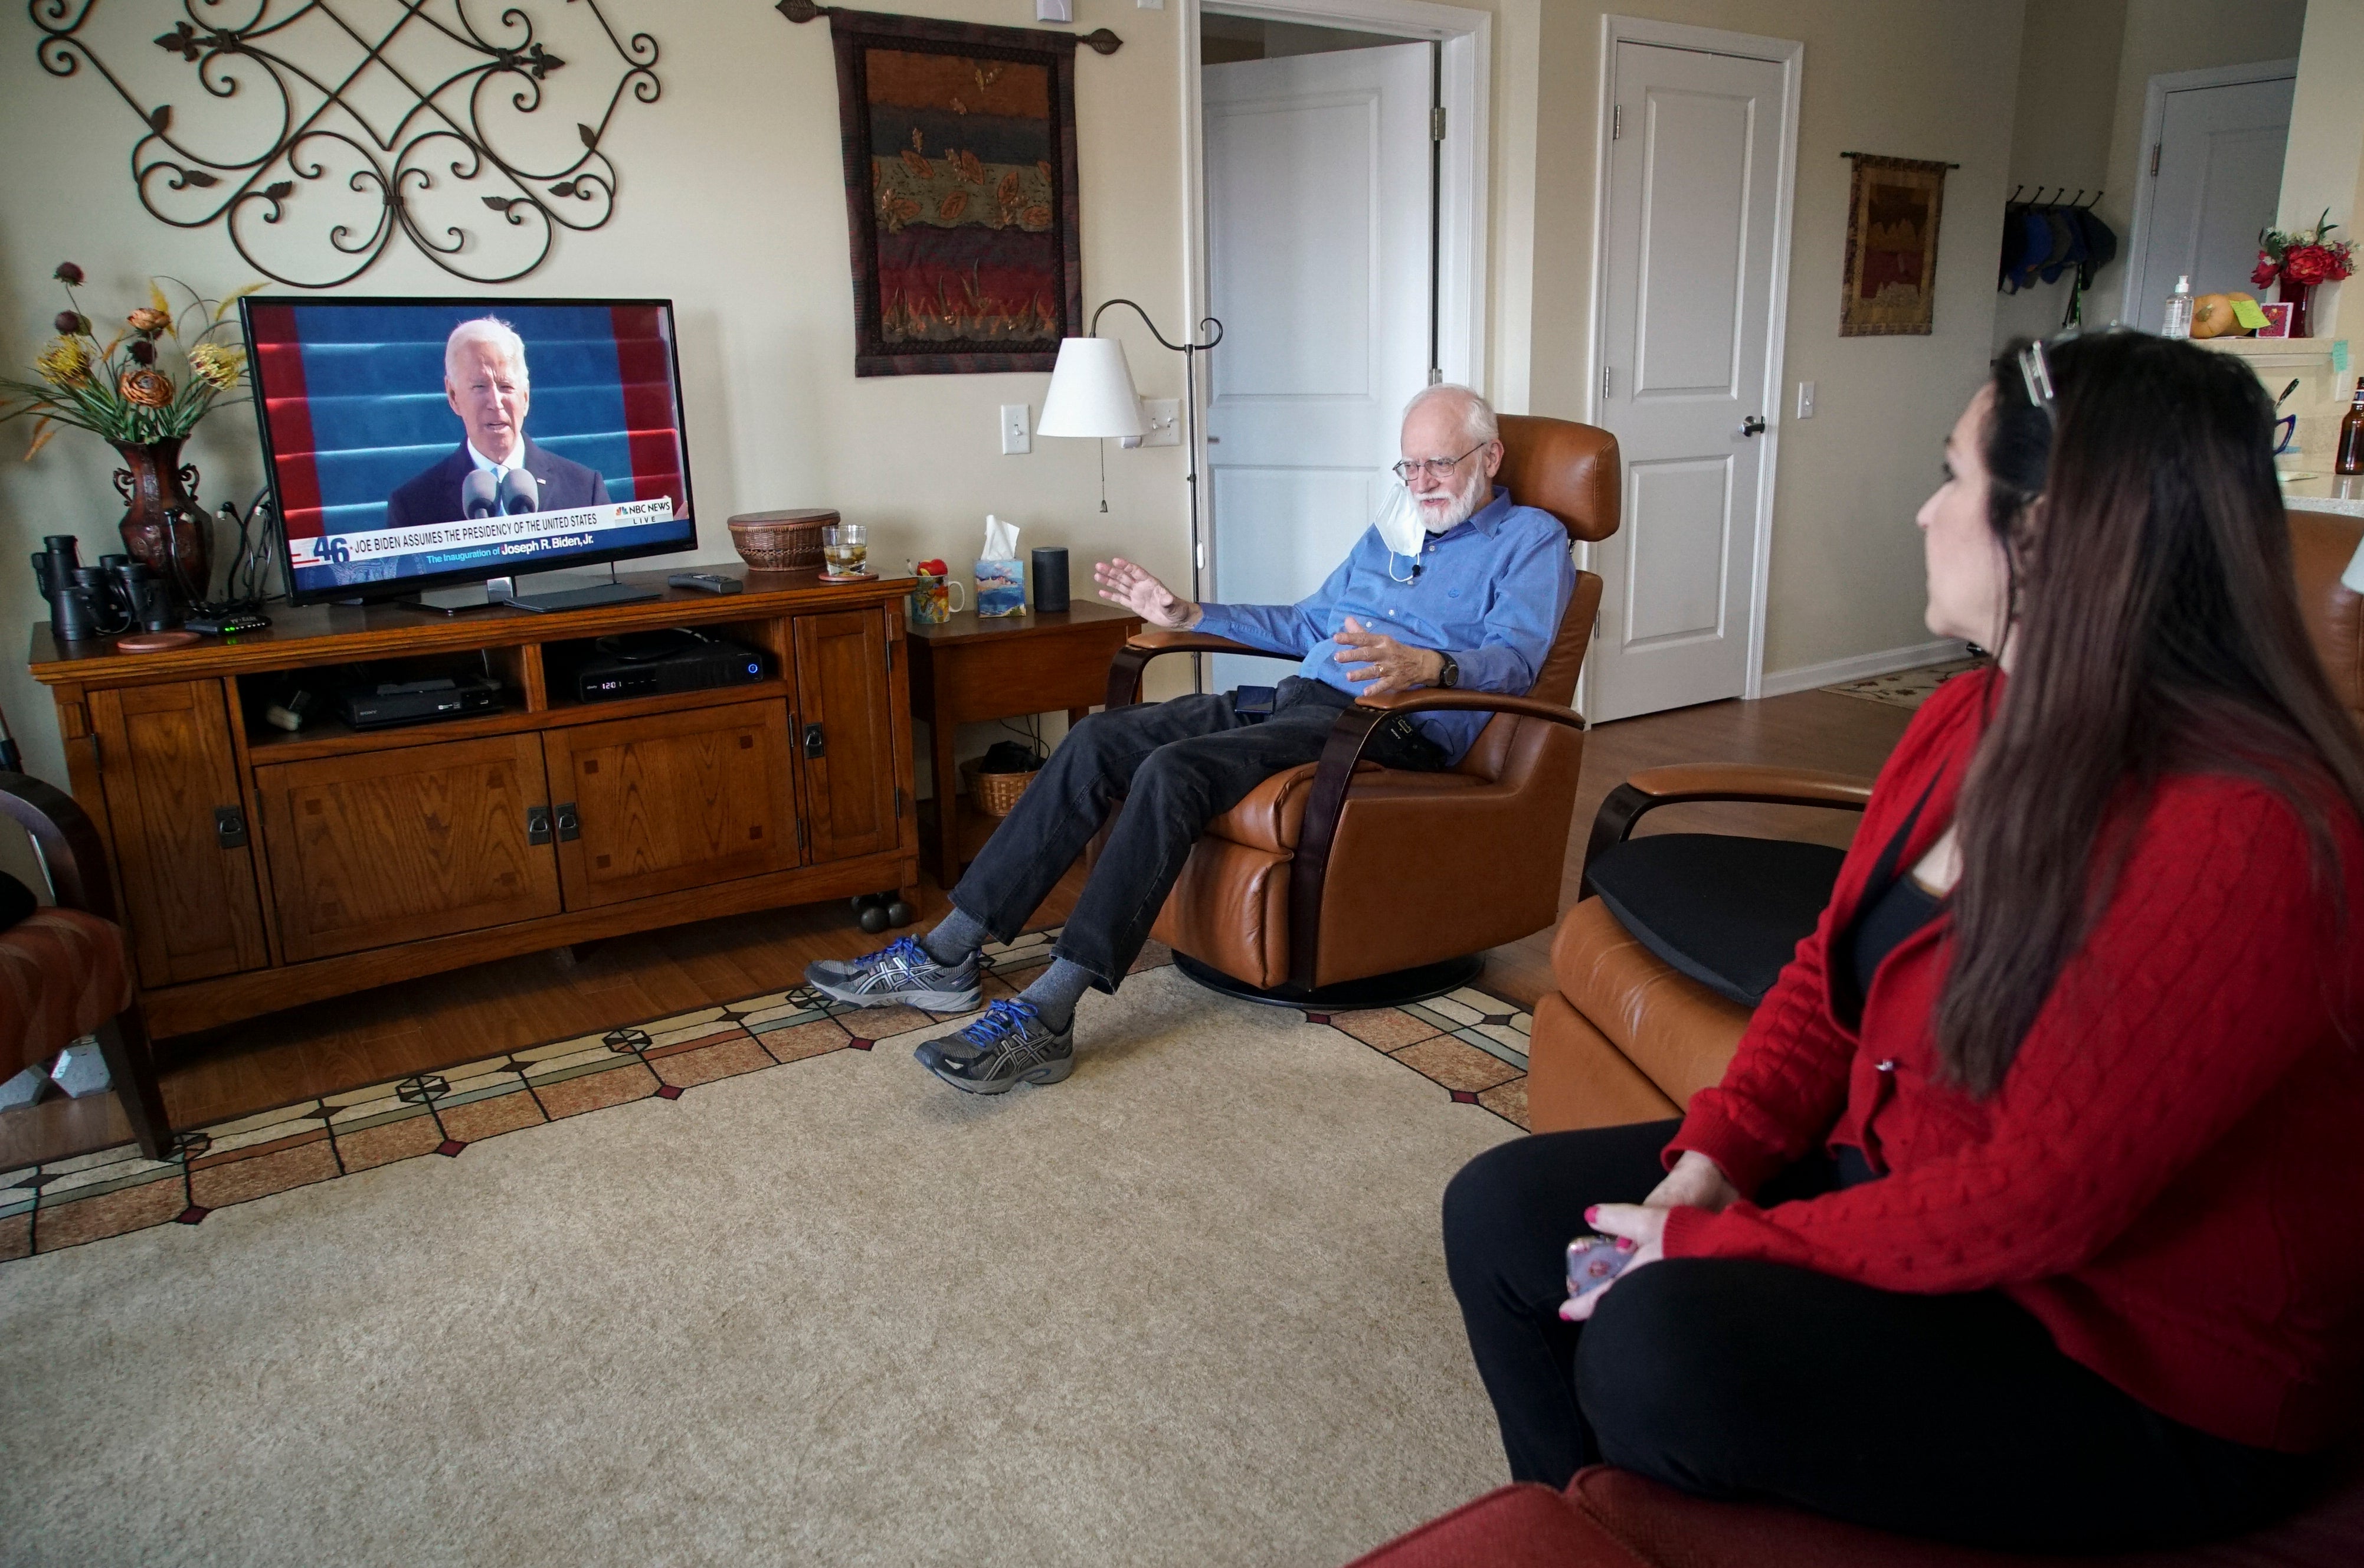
<point x="484" y="381"/>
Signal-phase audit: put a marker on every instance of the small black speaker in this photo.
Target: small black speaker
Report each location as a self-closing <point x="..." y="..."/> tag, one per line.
<point x="1050" y="579"/>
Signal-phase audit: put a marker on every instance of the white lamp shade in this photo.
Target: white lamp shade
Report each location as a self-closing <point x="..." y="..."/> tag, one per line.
<point x="1091" y="392"/>
<point x="2353" y="578"/>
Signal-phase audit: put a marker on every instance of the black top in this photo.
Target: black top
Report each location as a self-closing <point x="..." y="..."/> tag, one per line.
<point x="1879" y="930"/>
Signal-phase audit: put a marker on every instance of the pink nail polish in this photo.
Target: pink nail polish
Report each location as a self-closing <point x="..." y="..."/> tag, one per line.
<point x="1592" y="1215"/>
<point x="1624" y="1243"/>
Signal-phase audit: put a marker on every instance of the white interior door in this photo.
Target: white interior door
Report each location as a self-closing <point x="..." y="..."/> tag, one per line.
<point x="1318" y="201"/>
<point x="2214" y="183"/>
<point x="1694" y="181"/>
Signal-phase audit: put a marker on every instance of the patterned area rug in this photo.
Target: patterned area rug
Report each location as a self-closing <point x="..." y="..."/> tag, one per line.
<point x="1907" y="688"/>
<point x="1472" y="1045"/>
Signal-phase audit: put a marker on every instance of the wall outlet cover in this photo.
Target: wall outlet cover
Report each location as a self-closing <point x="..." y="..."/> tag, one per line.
<point x="1017" y="429"/>
<point x="1055" y="10"/>
<point x="1164" y="417"/>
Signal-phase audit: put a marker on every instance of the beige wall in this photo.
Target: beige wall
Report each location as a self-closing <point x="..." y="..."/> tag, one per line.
<point x="2060" y="137"/>
<point x="731" y="204"/>
<point x="1912" y="81"/>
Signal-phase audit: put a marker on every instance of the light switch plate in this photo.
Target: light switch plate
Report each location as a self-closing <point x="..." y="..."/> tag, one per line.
<point x="1805" y="400"/>
<point x="1164" y="417"/>
<point x="1055" y="10"/>
<point x="1150" y="4"/>
<point x="1017" y="429"/>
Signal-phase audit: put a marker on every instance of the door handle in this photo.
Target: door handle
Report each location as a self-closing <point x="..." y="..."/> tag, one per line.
<point x="570" y="827"/>
<point x="537" y="824"/>
<point x="1753" y="426"/>
<point x="230" y="827"/>
<point x="815" y="749"/>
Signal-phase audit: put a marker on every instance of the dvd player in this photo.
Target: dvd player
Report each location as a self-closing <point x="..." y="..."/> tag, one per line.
<point x="652" y="663"/>
<point x="389" y="703"/>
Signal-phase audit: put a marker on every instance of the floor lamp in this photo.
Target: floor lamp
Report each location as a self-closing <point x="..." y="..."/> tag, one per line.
<point x="1092" y="394"/>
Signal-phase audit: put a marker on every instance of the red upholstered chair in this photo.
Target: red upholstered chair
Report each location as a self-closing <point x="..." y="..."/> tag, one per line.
<point x="66" y="972"/>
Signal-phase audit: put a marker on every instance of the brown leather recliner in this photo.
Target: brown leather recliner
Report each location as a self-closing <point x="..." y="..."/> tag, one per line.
<point x="1344" y="884"/>
<point x="1628" y="1038"/>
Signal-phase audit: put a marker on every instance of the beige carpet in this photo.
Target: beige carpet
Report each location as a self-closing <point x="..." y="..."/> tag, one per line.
<point x="1187" y="1308"/>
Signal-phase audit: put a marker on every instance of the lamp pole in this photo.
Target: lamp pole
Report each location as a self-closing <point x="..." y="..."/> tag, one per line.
<point x="1189" y="352"/>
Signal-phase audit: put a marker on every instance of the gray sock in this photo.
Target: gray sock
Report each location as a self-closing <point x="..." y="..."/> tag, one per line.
<point x="955" y="937"/>
<point x="1056" y="991"/>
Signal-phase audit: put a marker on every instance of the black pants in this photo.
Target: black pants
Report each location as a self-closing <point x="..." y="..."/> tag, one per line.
<point x="1945" y="1415"/>
<point x="1177" y="766"/>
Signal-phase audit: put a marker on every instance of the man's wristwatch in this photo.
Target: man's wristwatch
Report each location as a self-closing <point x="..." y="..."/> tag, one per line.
<point x="1448" y="674"/>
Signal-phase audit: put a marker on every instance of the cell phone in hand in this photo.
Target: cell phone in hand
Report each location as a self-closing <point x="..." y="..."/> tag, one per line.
<point x="1593" y="1262"/>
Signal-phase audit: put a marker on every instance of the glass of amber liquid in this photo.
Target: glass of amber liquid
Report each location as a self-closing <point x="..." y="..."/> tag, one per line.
<point x="845" y="547"/>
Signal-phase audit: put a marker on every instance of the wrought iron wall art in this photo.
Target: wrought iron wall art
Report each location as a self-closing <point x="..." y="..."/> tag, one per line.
<point x="408" y="121"/>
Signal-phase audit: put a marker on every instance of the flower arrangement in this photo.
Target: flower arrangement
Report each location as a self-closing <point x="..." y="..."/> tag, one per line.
<point x="2303" y="258"/>
<point x="122" y="390"/>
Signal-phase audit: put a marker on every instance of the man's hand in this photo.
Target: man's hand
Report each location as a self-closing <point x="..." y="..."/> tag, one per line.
<point x="1123" y="583"/>
<point x="1695" y="1182"/>
<point x="1387" y="664"/>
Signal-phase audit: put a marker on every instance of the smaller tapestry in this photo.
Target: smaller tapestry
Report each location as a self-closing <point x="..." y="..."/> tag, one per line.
<point x="960" y="193"/>
<point x="1891" y="248"/>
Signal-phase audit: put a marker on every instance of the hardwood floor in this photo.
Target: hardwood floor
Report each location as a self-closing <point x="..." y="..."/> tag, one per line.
<point x="327" y="1046"/>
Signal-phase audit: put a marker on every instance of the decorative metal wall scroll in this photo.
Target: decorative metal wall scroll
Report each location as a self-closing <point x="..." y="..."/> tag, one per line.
<point x="377" y="126"/>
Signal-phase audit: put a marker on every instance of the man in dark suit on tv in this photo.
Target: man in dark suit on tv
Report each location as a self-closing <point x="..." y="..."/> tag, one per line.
<point x="484" y="381"/>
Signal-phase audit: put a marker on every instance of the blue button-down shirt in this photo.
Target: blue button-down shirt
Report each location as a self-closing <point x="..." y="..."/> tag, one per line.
<point x="1489" y="591"/>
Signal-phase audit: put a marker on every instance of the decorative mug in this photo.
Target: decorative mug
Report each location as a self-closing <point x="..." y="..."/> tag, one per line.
<point x="931" y="602"/>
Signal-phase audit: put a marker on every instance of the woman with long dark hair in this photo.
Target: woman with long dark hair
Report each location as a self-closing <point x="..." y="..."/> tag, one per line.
<point x="2030" y="1211"/>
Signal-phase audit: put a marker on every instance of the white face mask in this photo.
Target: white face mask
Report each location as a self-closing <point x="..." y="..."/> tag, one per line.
<point x="1398" y="520"/>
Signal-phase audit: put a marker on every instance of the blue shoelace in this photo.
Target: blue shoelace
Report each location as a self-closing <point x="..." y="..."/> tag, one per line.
<point x="1005" y="1019"/>
<point x="905" y="947"/>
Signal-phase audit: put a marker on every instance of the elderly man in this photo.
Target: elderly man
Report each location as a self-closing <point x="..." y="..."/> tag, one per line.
<point x="485" y="383"/>
<point x="1467" y="591"/>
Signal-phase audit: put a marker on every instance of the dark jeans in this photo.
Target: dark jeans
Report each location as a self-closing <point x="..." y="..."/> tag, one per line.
<point x="1177" y="766"/>
<point x="1945" y="1415"/>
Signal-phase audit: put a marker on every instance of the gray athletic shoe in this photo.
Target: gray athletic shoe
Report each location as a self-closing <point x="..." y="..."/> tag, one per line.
<point x="901" y="973"/>
<point x="1009" y="1045"/>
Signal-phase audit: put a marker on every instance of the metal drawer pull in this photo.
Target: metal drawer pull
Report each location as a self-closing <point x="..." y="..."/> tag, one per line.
<point x="230" y="827"/>
<point x="570" y="827"/>
<point x="537" y="824"/>
<point x="814" y="748"/>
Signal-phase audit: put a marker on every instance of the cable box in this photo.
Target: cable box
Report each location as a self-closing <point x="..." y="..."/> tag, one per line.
<point x="390" y="702"/>
<point x="654" y="663"/>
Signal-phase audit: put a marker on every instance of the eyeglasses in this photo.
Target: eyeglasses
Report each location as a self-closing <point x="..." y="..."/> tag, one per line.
<point x="1435" y="467"/>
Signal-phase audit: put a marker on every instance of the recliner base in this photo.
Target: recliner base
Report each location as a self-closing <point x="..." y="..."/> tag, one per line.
<point x="1389" y="989"/>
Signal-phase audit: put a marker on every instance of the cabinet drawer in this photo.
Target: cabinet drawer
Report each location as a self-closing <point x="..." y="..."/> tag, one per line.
<point x="670" y="801"/>
<point x="386" y="847"/>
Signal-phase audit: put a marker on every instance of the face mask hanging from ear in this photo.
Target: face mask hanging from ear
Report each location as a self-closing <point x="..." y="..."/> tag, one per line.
<point x="1399" y="519"/>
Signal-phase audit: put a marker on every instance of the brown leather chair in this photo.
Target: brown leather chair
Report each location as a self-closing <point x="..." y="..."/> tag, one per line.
<point x="1342" y="884"/>
<point x="1628" y="1037"/>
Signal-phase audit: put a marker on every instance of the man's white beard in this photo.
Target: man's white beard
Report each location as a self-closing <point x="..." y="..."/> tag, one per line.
<point x="1465" y="502"/>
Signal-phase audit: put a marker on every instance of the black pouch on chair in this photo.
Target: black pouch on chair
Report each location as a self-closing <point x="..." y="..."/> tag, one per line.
<point x="1399" y="743"/>
<point x="17" y="901"/>
<point x="1254" y="703"/>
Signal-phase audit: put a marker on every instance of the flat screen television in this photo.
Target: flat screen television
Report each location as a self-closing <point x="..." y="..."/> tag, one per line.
<point x="415" y="444"/>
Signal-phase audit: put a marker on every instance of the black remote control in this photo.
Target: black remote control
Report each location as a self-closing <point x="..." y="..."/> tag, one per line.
<point x="706" y="582"/>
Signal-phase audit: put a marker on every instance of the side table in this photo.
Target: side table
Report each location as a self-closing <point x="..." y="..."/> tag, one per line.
<point x="970" y="670"/>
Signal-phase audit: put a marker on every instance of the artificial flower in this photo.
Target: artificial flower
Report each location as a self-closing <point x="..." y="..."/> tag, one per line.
<point x="68" y="274"/>
<point x="150" y="321"/>
<point x="2265" y="271"/>
<point x="143" y="350"/>
<point x="73" y="323"/>
<point x="65" y="362"/>
<point x="145" y="388"/>
<point x="218" y="364"/>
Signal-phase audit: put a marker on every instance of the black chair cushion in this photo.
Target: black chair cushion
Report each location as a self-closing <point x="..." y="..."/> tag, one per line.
<point x="1725" y="910"/>
<point x="17" y="901"/>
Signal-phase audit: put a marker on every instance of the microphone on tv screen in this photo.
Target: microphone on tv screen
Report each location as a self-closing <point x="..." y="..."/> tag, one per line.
<point x="477" y="497"/>
<point x="517" y="491"/>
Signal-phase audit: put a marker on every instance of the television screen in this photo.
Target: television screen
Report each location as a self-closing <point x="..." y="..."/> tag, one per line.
<point x="414" y="443"/>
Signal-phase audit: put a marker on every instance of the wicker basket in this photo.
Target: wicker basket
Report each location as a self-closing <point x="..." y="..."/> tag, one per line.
<point x="996" y="795"/>
<point x="781" y="542"/>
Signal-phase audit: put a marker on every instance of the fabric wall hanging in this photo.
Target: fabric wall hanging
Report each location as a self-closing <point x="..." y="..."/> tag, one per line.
<point x="959" y="194"/>
<point x="1891" y="247"/>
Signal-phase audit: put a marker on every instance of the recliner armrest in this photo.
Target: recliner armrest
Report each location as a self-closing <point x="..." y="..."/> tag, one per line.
<point x="1684" y="783"/>
<point x="71" y="849"/>
<point x="1438" y="699"/>
<point x="1124" y="670"/>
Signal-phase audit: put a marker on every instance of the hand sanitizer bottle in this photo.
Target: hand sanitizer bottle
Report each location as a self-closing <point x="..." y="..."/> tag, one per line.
<point x="2179" y="310"/>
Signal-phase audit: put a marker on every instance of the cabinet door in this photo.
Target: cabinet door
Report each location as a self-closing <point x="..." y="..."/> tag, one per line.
<point x="673" y="800"/>
<point x="845" y="740"/>
<point x="170" y="774"/>
<point x="384" y="846"/>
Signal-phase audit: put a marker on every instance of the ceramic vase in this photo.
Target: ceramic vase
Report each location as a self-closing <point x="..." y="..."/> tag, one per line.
<point x="2300" y="297"/>
<point x="162" y="526"/>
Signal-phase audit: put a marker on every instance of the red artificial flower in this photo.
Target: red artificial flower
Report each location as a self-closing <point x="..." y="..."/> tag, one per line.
<point x="2265" y="271"/>
<point x="67" y="273"/>
<point x="2306" y="264"/>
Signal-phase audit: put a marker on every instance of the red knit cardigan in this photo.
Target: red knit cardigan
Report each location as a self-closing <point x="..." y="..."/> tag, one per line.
<point x="2171" y="1174"/>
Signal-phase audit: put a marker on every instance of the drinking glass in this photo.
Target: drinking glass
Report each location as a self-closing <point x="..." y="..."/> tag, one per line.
<point x="846" y="546"/>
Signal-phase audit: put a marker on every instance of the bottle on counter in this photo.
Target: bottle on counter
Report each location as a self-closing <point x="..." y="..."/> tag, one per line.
<point x="2179" y="310"/>
<point x="2351" y="434"/>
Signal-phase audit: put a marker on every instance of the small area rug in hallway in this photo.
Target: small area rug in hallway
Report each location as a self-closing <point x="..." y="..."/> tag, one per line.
<point x="1187" y="1307"/>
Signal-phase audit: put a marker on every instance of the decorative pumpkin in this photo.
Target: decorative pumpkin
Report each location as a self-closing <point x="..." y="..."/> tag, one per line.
<point x="2212" y="316"/>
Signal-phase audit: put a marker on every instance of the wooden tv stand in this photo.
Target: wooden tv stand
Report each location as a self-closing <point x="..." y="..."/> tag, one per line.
<point x="259" y="869"/>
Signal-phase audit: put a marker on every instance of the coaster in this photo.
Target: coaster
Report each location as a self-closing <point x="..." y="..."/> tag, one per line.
<point x="865" y="575"/>
<point x="154" y="642"/>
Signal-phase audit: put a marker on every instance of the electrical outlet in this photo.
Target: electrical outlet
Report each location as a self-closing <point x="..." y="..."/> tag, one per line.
<point x="1055" y="10"/>
<point x="1150" y="4"/>
<point x="1164" y="417"/>
<point x="1017" y="429"/>
<point x="1805" y="400"/>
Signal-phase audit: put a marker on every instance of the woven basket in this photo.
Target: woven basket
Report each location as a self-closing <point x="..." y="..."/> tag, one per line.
<point x="781" y="542"/>
<point x="996" y="795"/>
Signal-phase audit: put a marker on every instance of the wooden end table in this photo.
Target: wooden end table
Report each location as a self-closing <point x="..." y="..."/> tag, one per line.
<point x="968" y="671"/>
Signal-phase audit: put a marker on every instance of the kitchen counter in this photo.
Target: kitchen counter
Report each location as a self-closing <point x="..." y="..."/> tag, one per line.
<point x="2327" y="492"/>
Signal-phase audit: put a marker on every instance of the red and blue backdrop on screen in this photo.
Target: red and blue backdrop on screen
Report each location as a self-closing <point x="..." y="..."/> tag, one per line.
<point x="352" y="394"/>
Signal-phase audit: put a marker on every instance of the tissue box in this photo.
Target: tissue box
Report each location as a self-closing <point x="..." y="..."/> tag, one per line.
<point x="1001" y="588"/>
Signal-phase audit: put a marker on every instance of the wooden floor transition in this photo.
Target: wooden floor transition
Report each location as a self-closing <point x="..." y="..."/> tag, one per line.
<point x="330" y="1046"/>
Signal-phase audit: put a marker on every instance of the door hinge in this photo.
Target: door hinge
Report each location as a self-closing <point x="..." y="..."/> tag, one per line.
<point x="537" y="824"/>
<point x="1436" y="122"/>
<point x="1616" y="121"/>
<point x="230" y="827"/>
<point x="801" y="832"/>
<point x="570" y="827"/>
<point x="890" y="655"/>
<point x="2154" y="159"/>
<point x="1604" y="384"/>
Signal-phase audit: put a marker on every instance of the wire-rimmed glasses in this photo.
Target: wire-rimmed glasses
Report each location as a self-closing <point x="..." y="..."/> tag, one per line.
<point x="1438" y="468"/>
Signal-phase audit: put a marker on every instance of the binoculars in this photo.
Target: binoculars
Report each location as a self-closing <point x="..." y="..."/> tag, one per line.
<point x="117" y="595"/>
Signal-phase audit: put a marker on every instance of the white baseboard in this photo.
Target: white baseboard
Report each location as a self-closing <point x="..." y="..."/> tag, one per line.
<point x="1861" y="667"/>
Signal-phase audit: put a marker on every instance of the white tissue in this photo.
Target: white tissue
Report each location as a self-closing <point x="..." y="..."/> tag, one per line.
<point x="1000" y="540"/>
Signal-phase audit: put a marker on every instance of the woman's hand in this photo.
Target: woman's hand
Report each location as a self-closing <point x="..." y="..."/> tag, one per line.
<point x="1123" y="583"/>
<point x="1695" y="1182"/>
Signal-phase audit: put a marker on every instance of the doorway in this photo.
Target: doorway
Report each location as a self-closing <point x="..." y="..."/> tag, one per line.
<point x="2210" y="181"/>
<point x="1699" y="154"/>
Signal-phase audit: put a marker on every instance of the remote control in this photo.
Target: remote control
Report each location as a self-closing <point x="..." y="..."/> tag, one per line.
<point x="706" y="582"/>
